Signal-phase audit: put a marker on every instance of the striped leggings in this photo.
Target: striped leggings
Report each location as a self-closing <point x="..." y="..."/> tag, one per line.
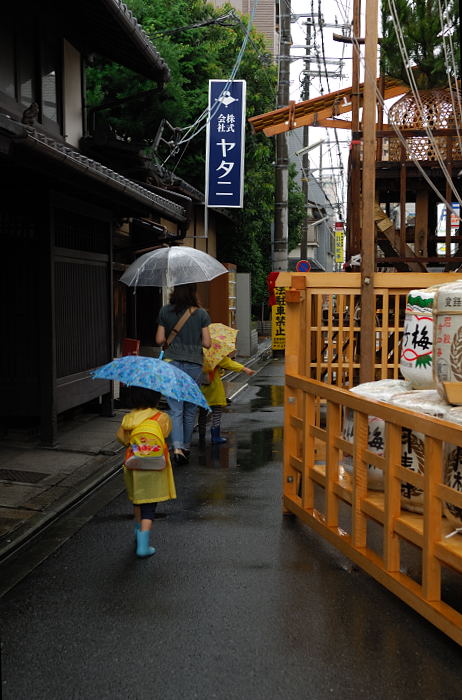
<point x="216" y="418"/>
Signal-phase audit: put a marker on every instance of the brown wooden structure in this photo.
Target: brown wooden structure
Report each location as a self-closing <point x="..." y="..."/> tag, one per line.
<point x="408" y="247"/>
<point x="316" y="488"/>
<point x="342" y="329"/>
<point x="60" y="210"/>
<point x="330" y="322"/>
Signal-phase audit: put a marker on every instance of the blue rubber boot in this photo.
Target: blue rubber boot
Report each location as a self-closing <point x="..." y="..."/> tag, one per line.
<point x="142" y="544"/>
<point x="136" y="529"/>
<point x="216" y="439"/>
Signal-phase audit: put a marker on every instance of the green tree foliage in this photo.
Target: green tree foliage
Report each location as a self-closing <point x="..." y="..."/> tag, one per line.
<point x="422" y="33"/>
<point x="195" y="55"/>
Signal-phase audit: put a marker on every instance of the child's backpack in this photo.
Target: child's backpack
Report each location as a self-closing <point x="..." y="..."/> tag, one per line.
<point x="147" y="449"/>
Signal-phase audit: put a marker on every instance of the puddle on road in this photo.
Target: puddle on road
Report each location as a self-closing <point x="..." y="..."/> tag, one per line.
<point x="225" y="462"/>
<point x="246" y="453"/>
<point x="267" y="398"/>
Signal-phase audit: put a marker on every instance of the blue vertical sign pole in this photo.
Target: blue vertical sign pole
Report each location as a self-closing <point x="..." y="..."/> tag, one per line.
<point x="224" y="161"/>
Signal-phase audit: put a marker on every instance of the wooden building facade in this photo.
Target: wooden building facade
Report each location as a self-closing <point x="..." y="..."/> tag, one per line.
<point x="60" y="210"/>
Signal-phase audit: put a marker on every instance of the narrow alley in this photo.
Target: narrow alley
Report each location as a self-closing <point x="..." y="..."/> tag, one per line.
<point x="240" y="601"/>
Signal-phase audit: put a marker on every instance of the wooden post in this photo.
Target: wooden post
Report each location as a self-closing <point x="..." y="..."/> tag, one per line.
<point x="355" y="155"/>
<point x="391" y="542"/>
<point x="431" y="567"/>
<point x="449" y="197"/>
<point x="332" y="461"/>
<point x="368" y="253"/>
<point x="359" y="520"/>
<point x="47" y="339"/>
<point x="402" y="204"/>
<point x="421" y="223"/>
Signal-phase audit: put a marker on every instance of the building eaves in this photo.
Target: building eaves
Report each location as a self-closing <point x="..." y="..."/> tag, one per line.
<point x="31" y="138"/>
<point x="109" y="28"/>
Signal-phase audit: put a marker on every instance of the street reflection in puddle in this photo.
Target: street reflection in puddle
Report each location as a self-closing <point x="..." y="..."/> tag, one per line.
<point x="265" y="398"/>
<point x="246" y="453"/>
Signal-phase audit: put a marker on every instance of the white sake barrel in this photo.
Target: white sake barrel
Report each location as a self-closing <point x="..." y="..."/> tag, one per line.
<point x="429" y="403"/>
<point x="416" y="356"/>
<point x="447" y="342"/>
<point x="453" y="470"/>
<point x="381" y="390"/>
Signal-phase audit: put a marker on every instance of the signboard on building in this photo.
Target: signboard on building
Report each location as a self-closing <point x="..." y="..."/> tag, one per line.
<point x="224" y="158"/>
<point x="339" y="242"/>
<point x="441" y="227"/>
<point x="278" y="319"/>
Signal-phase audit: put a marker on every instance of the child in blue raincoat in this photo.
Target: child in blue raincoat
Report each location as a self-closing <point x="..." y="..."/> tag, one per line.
<point x="148" y="473"/>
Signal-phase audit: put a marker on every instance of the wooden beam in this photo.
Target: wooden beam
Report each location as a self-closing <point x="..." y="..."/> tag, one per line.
<point x="394" y="239"/>
<point x="282" y="124"/>
<point x="277" y="121"/>
<point x="335" y="124"/>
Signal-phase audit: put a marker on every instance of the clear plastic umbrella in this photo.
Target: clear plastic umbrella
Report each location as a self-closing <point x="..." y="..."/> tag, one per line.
<point x="169" y="267"/>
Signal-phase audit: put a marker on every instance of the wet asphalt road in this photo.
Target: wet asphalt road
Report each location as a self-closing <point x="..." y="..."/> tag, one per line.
<point x="239" y="602"/>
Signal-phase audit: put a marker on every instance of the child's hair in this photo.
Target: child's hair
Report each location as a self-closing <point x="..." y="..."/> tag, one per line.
<point x="143" y="398"/>
<point x="183" y="296"/>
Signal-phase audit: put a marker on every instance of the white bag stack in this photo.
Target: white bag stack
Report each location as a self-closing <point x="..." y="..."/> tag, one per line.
<point x="429" y="403"/>
<point x="382" y="390"/>
<point x="453" y="470"/>
<point x="447" y="371"/>
<point x="416" y="358"/>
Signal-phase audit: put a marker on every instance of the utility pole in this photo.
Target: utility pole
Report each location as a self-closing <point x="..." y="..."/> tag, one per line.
<point x="305" y="157"/>
<point x="281" y="214"/>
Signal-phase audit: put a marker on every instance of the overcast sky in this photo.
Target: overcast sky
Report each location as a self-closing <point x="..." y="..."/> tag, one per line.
<point x="333" y="12"/>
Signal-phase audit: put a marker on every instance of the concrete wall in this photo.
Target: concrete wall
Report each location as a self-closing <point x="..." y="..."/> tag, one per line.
<point x="264" y="20"/>
<point x="195" y="234"/>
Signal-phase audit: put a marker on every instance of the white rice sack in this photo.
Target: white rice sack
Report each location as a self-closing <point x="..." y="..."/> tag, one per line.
<point x="416" y="356"/>
<point x="453" y="470"/>
<point x="381" y="390"/>
<point x="429" y="403"/>
<point x="447" y="342"/>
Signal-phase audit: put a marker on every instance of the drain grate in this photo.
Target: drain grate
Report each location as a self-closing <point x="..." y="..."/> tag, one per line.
<point x="21" y="476"/>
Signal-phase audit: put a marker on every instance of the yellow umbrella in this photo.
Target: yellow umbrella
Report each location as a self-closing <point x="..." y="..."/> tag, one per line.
<point x="223" y="342"/>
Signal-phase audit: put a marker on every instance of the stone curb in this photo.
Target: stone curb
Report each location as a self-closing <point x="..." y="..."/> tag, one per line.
<point x="40" y="521"/>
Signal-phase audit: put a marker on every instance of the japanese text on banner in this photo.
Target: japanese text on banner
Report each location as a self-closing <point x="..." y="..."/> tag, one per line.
<point x="278" y="319"/>
<point x="224" y="172"/>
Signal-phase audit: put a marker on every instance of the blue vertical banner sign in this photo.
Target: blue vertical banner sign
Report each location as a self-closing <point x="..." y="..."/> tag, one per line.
<point x="224" y="161"/>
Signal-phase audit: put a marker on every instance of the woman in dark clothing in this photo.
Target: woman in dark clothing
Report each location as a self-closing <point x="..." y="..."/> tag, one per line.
<point x="185" y="351"/>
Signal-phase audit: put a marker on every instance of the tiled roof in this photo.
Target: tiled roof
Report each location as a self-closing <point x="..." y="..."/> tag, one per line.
<point x="32" y="138"/>
<point x="109" y="28"/>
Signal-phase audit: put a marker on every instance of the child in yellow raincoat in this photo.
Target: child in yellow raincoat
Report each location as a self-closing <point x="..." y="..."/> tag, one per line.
<point x="143" y="431"/>
<point x="216" y="398"/>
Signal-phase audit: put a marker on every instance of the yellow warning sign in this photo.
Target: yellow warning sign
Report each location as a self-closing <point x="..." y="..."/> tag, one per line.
<point x="278" y="319"/>
<point x="339" y="255"/>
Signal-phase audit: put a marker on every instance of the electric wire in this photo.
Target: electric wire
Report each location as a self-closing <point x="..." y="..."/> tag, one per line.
<point x="197" y="25"/>
<point x="327" y="78"/>
<point x="451" y="64"/>
<point x="395" y="128"/>
<point x="416" y="94"/>
<point x="207" y="114"/>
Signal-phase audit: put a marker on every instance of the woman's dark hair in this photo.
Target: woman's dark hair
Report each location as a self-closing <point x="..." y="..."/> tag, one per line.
<point x="183" y="296"/>
<point x="143" y="398"/>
